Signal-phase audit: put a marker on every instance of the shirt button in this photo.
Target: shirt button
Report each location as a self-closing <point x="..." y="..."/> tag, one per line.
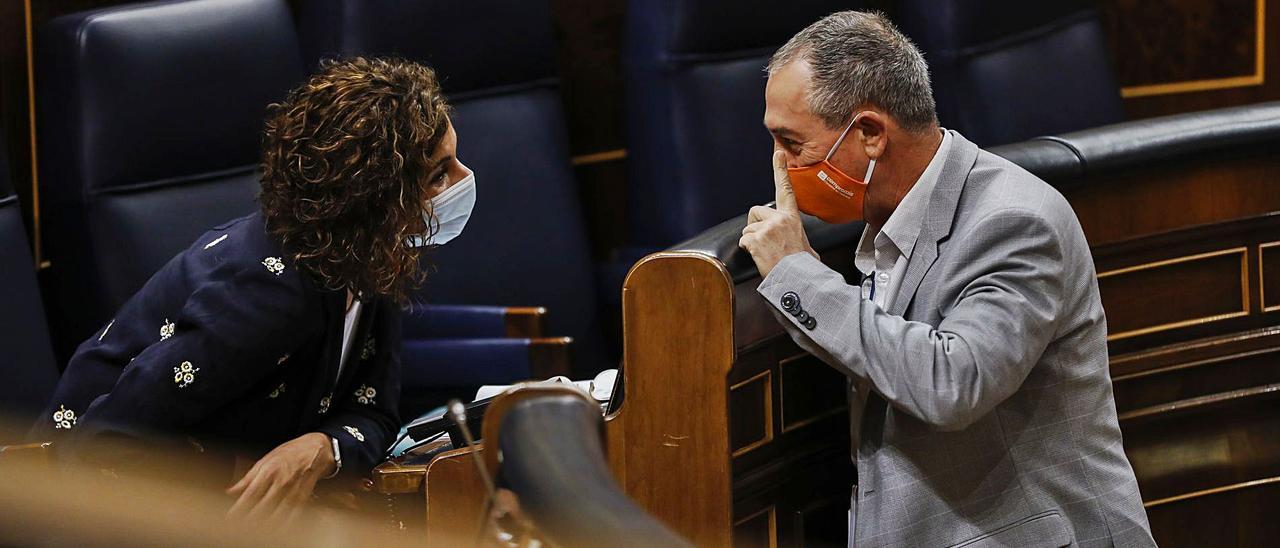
<point x="884" y="277"/>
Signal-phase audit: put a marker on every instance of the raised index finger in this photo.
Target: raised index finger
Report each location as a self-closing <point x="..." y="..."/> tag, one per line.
<point x="784" y="196"/>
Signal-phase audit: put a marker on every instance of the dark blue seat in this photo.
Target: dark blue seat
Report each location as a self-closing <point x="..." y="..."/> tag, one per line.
<point x="526" y="243"/>
<point x="697" y="151"/>
<point x="26" y="356"/>
<point x="150" y="117"/>
<point x="1008" y="70"/>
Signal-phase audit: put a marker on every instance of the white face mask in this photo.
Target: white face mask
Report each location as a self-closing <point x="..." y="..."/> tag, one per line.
<point x="451" y="208"/>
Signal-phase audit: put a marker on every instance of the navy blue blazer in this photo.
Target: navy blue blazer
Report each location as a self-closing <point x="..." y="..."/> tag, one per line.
<point x="229" y="342"/>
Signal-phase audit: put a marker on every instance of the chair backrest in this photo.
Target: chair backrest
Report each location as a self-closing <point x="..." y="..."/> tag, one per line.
<point x="697" y="152"/>
<point x="1008" y="70"/>
<point x="26" y="356"/>
<point x="526" y="243"/>
<point x="150" y="119"/>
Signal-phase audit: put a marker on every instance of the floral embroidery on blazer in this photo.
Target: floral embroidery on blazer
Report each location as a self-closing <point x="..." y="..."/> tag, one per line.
<point x="245" y="317"/>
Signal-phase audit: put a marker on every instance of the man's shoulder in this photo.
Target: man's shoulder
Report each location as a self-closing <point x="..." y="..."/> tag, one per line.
<point x="998" y="187"/>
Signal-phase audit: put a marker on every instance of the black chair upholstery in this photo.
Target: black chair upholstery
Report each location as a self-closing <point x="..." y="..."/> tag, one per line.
<point x="554" y="462"/>
<point x="697" y="152"/>
<point x="150" y="117"/>
<point x="526" y="243"/>
<point x="26" y="356"/>
<point x="1070" y="159"/>
<point x="1008" y="70"/>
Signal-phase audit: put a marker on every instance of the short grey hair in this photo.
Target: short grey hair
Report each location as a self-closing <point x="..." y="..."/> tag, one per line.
<point x="857" y="58"/>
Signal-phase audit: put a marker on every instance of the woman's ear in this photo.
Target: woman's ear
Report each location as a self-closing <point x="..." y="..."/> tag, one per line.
<point x="871" y="132"/>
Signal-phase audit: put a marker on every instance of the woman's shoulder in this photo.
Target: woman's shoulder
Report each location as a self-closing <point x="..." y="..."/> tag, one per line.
<point x="242" y="248"/>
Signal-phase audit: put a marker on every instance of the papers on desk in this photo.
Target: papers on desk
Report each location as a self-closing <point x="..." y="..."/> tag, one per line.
<point x="432" y="426"/>
<point x="599" y="388"/>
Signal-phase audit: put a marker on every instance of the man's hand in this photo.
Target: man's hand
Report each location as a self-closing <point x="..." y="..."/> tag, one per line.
<point x="278" y="484"/>
<point x="772" y="234"/>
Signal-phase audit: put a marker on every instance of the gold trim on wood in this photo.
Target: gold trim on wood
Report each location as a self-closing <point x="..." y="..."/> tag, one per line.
<point x="1255" y="79"/>
<point x="768" y="412"/>
<point x="1213" y="491"/>
<point x="1244" y="291"/>
<point x="772" y="510"/>
<point x="1262" y="279"/>
<point x="1220" y="398"/>
<point x="599" y="157"/>
<point x="1190" y="364"/>
<point x="782" y="401"/>
<point x="36" y="248"/>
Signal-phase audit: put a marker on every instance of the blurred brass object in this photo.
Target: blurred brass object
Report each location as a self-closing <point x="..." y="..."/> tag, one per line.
<point x="86" y="506"/>
<point x="170" y="499"/>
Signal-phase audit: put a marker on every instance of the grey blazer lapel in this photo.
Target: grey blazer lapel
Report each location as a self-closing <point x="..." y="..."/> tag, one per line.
<point x="938" y="218"/>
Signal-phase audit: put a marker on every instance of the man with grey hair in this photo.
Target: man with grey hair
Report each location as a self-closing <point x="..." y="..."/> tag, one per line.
<point x="975" y="347"/>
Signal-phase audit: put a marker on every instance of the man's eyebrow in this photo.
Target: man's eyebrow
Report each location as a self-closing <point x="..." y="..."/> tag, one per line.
<point x="783" y="132"/>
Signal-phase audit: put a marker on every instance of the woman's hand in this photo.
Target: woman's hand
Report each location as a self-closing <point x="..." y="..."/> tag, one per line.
<point x="283" y="480"/>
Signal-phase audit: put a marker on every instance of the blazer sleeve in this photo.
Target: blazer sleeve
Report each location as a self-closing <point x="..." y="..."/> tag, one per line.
<point x="235" y="322"/>
<point x="366" y="419"/>
<point x="980" y="353"/>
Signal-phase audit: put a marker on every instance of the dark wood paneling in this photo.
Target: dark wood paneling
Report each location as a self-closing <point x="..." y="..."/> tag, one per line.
<point x="590" y="36"/>
<point x="1172" y="194"/>
<point x="1196" y="378"/>
<point x="809" y="390"/>
<point x="1163" y="41"/>
<point x="1269" y="274"/>
<point x="824" y="523"/>
<point x="1187" y="48"/>
<point x="751" y="413"/>
<point x="1206" y="287"/>
<point x="1193" y="445"/>
<point x="1243" y="517"/>
<point x="601" y="188"/>
<point x="14" y="106"/>
<point x="758" y="530"/>
<point x="1185" y="284"/>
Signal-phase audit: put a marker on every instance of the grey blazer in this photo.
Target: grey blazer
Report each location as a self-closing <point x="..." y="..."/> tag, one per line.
<point x="1000" y="427"/>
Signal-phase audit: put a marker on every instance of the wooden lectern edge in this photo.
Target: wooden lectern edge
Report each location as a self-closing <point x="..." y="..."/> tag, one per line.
<point x="704" y="475"/>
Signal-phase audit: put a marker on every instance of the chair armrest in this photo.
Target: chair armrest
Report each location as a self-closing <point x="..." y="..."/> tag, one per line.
<point x="475" y="362"/>
<point x="450" y="321"/>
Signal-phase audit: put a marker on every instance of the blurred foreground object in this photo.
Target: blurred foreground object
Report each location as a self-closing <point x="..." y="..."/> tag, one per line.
<point x="75" y="506"/>
<point x="551" y="456"/>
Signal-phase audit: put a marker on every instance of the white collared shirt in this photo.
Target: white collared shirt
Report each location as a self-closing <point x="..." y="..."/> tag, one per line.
<point x="349" y="325"/>
<point x="883" y="253"/>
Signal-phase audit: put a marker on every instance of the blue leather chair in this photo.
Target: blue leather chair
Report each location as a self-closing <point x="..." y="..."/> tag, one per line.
<point x="150" y="118"/>
<point x="1008" y="70"/>
<point x="26" y="355"/>
<point x="526" y="243"/>
<point x="697" y="152"/>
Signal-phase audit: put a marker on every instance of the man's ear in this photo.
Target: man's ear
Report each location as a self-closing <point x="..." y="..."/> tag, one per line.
<point x="871" y="132"/>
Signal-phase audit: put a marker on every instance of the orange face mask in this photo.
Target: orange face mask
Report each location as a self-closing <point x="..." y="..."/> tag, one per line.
<point x="828" y="193"/>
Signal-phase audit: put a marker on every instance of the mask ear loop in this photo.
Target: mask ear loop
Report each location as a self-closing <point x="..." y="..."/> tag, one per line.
<point x="871" y="167"/>
<point x="840" y="139"/>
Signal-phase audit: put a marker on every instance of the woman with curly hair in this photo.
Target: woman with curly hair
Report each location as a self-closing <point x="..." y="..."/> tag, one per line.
<point x="279" y="332"/>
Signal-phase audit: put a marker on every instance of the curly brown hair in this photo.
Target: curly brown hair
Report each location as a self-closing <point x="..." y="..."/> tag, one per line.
<point x="344" y="158"/>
